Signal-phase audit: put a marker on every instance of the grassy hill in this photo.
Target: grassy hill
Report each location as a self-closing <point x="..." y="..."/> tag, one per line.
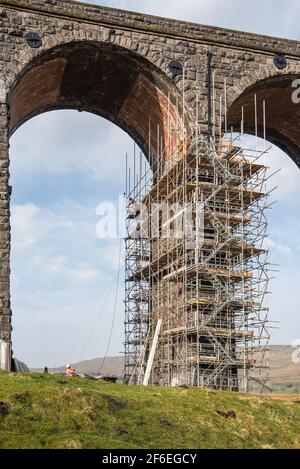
<point x="39" y="411"/>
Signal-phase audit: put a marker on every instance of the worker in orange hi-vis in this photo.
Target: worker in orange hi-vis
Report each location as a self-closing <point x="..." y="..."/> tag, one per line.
<point x="70" y="371"/>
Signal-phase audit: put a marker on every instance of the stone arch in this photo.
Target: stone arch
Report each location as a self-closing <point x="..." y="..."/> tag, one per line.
<point x="264" y="68"/>
<point x="86" y="33"/>
<point x="282" y="114"/>
<point x="108" y="80"/>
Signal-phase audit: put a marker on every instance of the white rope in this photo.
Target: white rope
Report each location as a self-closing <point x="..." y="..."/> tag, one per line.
<point x="115" y="309"/>
<point x="96" y="321"/>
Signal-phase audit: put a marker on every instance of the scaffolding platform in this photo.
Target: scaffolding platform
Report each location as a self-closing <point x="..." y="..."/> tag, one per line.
<point x="207" y="286"/>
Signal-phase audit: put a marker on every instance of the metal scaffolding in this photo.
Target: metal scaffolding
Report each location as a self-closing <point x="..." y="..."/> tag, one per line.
<point x="196" y="265"/>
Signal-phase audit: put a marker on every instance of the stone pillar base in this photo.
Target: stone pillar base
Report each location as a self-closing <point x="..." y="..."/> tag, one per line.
<point x="5" y="355"/>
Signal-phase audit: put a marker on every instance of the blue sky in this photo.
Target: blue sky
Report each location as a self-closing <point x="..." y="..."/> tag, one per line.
<point x="63" y="164"/>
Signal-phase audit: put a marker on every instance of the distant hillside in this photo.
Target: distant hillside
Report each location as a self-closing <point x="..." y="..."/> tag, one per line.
<point x="42" y="411"/>
<point x="283" y="372"/>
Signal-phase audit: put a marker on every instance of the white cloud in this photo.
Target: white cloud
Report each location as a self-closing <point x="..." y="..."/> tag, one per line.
<point x="61" y="274"/>
<point x="283" y="173"/>
<point x="91" y="145"/>
<point x="59" y="267"/>
<point x="28" y="225"/>
<point x="281" y="248"/>
<point x="287" y="179"/>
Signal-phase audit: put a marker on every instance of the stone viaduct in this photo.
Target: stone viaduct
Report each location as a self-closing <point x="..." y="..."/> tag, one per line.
<point x="134" y="70"/>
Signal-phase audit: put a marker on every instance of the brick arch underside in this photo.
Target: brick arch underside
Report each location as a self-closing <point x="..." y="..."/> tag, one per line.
<point x="282" y="115"/>
<point x="109" y="81"/>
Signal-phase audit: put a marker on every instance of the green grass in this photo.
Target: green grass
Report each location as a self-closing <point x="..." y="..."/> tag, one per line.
<point x="290" y="389"/>
<point x="39" y="411"/>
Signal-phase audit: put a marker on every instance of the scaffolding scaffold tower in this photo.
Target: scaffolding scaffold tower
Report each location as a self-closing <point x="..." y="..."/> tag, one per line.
<point x="197" y="270"/>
